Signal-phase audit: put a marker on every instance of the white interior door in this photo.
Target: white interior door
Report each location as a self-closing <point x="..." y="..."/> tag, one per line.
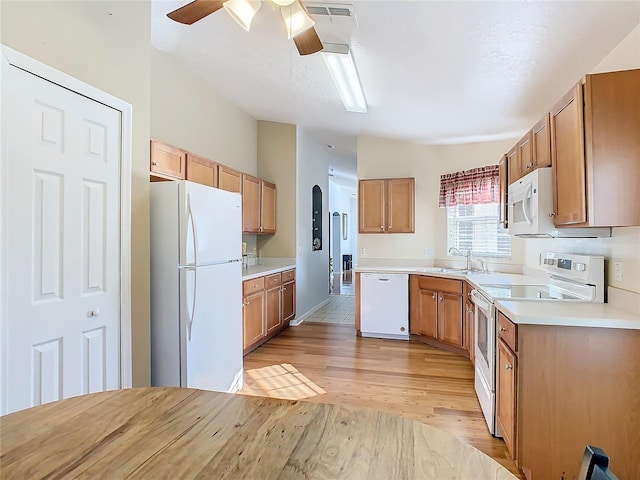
<point x="61" y="216"/>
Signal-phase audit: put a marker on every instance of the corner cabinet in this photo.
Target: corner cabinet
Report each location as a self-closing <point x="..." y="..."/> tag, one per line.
<point x="258" y="205"/>
<point x="268" y="306"/>
<point x="386" y="205"/>
<point x="595" y="147"/>
<point x="435" y="311"/>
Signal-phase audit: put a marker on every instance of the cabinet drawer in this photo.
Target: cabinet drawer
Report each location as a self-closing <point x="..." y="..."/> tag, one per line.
<point x="272" y="280"/>
<point x="440" y="284"/>
<point x="250" y="286"/>
<point x="508" y="331"/>
<point x="289" y="275"/>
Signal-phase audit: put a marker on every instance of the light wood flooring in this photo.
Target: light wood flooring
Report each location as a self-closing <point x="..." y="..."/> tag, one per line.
<point x="410" y="379"/>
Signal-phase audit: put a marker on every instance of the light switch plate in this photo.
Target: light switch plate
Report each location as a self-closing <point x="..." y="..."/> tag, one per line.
<point x="362" y="251"/>
<point x="617" y="275"/>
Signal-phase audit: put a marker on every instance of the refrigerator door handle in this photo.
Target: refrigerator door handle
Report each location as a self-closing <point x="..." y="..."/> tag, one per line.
<point x="192" y="315"/>
<point x="192" y="220"/>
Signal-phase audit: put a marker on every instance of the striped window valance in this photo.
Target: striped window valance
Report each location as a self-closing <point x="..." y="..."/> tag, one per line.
<point x="470" y="187"/>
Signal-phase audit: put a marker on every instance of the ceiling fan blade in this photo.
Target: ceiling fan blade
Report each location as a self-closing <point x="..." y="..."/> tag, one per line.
<point x="194" y="11"/>
<point x="308" y="42"/>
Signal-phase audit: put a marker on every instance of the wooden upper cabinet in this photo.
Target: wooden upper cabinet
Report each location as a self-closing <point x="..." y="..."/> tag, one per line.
<point x="201" y="170"/>
<point x="567" y="158"/>
<point x="371" y="208"/>
<point x="250" y="204"/>
<point x="541" y="143"/>
<point x="229" y="179"/>
<point x="167" y="160"/>
<point x="525" y="154"/>
<point x="514" y="164"/>
<point x="386" y="205"/>
<point x="612" y="140"/>
<point x="267" y="207"/>
<point x="503" y="170"/>
<point x="400" y="205"/>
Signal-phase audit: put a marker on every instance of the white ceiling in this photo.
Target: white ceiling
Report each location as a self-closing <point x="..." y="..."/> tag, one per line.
<point x="432" y="72"/>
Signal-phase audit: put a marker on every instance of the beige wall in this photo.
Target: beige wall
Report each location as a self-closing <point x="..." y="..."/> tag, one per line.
<point x="187" y="113"/>
<point x="624" y="246"/>
<point x="277" y="164"/>
<point x="110" y="52"/>
<point x="384" y="158"/>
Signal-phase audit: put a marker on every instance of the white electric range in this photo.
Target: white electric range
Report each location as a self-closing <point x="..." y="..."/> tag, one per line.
<point x="578" y="278"/>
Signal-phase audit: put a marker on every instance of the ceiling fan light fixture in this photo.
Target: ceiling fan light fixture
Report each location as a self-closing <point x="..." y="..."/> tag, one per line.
<point x="243" y="11"/>
<point x="283" y="3"/>
<point x="296" y="19"/>
<point x="343" y="71"/>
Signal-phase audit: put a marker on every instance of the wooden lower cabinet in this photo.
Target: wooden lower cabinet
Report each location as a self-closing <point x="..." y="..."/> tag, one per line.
<point x="435" y="311"/>
<point x="269" y="305"/>
<point x="560" y="388"/>
<point x="507" y="375"/>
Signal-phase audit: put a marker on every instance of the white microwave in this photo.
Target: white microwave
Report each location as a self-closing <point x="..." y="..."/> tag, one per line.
<point x="530" y="201"/>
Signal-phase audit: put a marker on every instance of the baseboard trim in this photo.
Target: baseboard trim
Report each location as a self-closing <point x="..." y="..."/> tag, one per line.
<point x="299" y="320"/>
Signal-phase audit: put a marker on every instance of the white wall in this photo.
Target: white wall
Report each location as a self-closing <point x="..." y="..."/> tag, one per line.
<point x="312" y="274"/>
<point x="187" y="113"/>
<point x="105" y="44"/>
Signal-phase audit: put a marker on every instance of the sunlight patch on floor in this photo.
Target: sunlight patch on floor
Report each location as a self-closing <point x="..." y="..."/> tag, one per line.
<point x="280" y="381"/>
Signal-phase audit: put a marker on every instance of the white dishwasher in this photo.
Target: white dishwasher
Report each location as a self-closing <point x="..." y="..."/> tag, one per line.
<point x="384" y="305"/>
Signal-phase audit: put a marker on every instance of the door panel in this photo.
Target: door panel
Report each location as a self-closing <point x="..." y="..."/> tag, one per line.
<point x="273" y="316"/>
<point x="371" y="208"/>
<point x="400" y="205"/>
<point x="428" y="313"/>
<point x="450" y="319"/>
<point x="268" y="207"/>
<point x="250" y="204"/>
<point x="63" y="216"/>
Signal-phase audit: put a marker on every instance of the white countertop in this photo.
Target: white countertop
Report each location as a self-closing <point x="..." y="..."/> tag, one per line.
<point x="269" y="266"/>
<point x="569" y="314"/>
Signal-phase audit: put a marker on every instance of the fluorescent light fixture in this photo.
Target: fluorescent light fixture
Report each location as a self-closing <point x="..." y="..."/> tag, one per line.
<point x="339" y="61"/>
<point x="242" y="11"/>
<point x="296" y="20"/>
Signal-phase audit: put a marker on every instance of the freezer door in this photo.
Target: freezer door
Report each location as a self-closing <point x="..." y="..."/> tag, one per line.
<point x="211" y="326"/>
<point x="210" y="225"/>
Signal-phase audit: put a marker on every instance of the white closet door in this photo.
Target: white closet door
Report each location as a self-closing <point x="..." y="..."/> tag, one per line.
<point x="61" y="216"/>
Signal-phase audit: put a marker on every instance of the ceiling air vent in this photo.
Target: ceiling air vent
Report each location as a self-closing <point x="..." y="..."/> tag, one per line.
<point x="330" y="9"/>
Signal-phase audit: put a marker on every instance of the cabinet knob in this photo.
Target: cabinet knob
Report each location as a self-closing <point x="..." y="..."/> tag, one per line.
<point x="441" y="299"/>
<point x="155" y="164"/>
<point x="433" y="296"/>
<point x="552" y="214"/>
<point x="508" y="366"/>
<point x="381" y="227"/>
<point x="502" y="329"/>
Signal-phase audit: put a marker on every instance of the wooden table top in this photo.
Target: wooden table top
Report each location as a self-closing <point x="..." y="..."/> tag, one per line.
<point x="184" y="433"/>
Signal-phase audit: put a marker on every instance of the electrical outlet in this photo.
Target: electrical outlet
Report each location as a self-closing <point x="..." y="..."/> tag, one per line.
<point x="362" y="251"/>
<point x="617" y="275"/>
<point x="428" y="252"/>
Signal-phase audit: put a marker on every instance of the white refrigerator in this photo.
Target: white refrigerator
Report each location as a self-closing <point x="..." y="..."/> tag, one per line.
<point x="196" y="286"/>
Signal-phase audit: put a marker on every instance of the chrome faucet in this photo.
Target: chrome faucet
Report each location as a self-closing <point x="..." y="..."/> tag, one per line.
<point x="456" y="251"/>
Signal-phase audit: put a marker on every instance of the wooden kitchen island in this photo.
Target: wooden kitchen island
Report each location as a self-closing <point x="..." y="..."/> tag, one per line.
<point x="186" y="433"/>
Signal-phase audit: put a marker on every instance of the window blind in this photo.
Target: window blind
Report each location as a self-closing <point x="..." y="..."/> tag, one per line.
<point x="478" y="228"/>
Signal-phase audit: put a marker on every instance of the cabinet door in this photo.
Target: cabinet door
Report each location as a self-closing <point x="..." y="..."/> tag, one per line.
<point x="288" y="301"/>
<point x="450" y="324"/>
<point x="167" y="160"/>
<point x="273" y="313"/>
<point x="371" y="206"/>
<point x="428" y="314"/>
<point x="506" y="395"/>
<point x="504" y="183"/>
<point x="567" y="159"/>
<point x="469" y="330"/>
<point x="541" y="143"/>
<point x="514" y="164"/>
<point x="267" y="207"/>
<point x="400" y="196"/>
<point x="229" y="179"/>
<point x="201" y="170"/>
<point x="525" y="153"/>
<point x="250" y="204"/>
<point x="253" y="319"/>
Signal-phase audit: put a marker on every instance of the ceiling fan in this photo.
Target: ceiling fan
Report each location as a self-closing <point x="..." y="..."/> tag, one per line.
<point x="299" y="24"/>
